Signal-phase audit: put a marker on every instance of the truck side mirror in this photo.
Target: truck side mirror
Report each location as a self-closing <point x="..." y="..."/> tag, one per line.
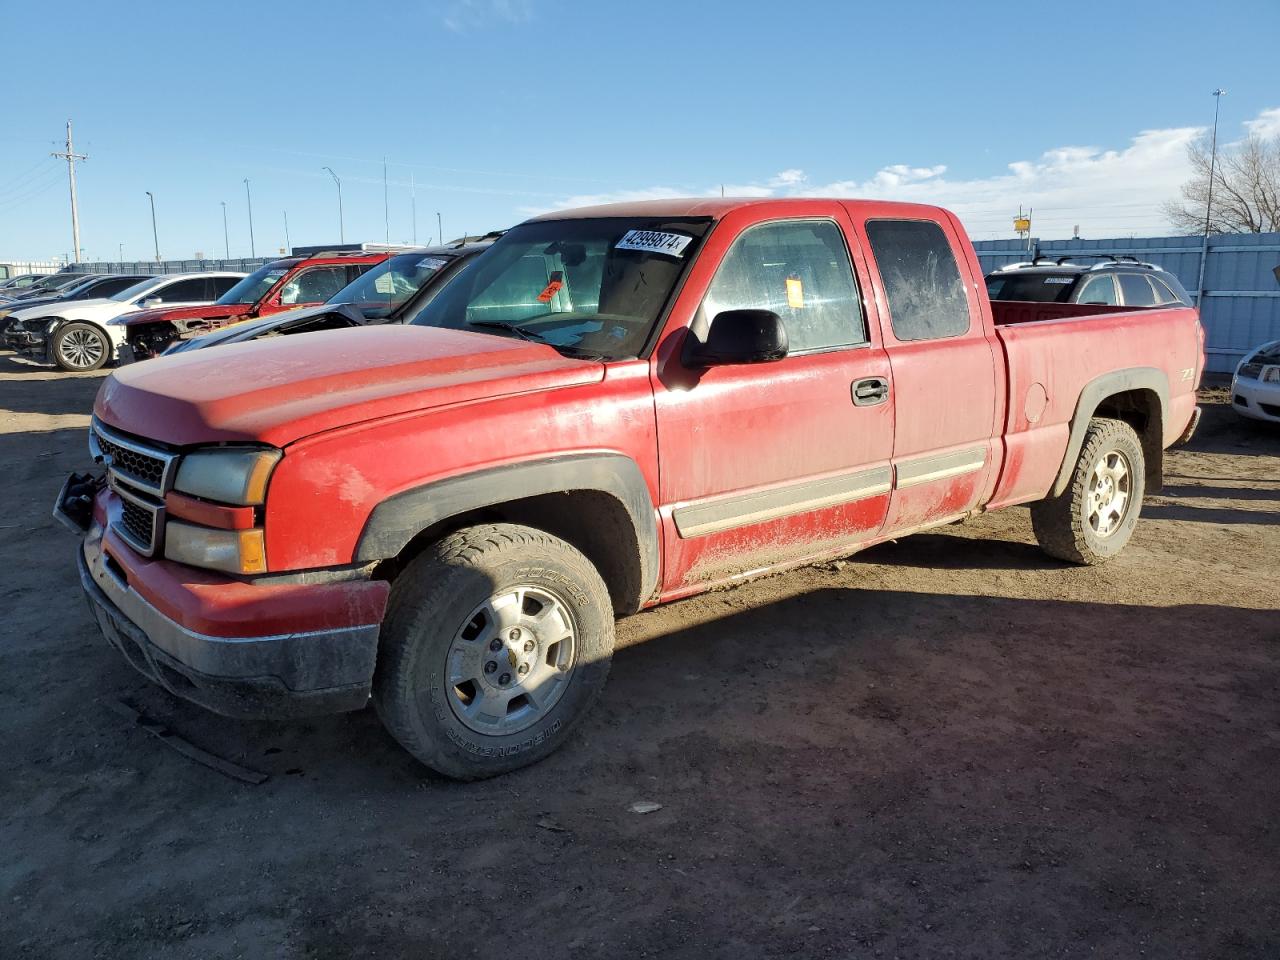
<point x="738" y="336"/>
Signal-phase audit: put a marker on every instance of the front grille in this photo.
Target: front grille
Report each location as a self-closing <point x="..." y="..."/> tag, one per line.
<point x="1270" y="409"/>
<point x="131" y="463"/>
<point x="140" y="475"/>
<point x="138" y="522"/>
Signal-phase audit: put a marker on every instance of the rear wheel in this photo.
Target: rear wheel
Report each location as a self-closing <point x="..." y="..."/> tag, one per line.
<point x="497" y="640"/>
<point x="1093" y="519"/>
<point x="80" y="347"/>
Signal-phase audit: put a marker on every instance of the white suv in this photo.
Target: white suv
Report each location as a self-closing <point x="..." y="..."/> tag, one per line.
<point x="80" y="335"/>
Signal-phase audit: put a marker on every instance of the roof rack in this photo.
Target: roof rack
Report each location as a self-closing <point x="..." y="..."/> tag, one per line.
<point x="1125" y="258"/>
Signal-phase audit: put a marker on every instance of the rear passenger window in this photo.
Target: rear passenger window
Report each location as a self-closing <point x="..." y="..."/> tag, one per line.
<point x="1101" y="289"/>
<point x="921" y="280"/>
<point x="1164" y="294"/>
<point x="184" y="291"/>
<point x="222" y="284"/>
<point x="1136" y="291"/>
<point x="800" y="270"/>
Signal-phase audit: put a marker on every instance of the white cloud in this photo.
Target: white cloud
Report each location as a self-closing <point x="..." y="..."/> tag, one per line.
<point x="463" y="16"/>
<point x="1107" y="192"/>
<point x="1266" y="124"/>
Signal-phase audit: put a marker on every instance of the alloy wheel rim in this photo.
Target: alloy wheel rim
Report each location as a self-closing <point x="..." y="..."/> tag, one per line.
<point x="511" y="660"/>
<point x="80" y="348"/>
<point x="1110" y="489"/>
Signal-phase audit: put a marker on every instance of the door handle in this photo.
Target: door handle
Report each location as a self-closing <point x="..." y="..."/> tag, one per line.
<point x="870" y="391"/>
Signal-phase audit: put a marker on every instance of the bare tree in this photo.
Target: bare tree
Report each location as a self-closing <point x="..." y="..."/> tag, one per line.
<point x="1246" y="189"/>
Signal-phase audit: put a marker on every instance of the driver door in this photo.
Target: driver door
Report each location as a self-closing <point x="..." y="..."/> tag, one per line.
<point x="774" y="463"/>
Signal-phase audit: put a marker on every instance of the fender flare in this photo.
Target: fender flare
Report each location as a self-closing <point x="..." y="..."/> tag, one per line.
<point x="397" y="520"/>
<point x="1092" y="396"/>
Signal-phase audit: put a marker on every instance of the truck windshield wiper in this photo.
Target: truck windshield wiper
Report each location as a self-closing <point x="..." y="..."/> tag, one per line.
<point x="532" y="337"/>
<point x="515" y="328"/>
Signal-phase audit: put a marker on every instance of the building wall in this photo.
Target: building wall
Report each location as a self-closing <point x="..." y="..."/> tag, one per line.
<point x="1242" y="294"/>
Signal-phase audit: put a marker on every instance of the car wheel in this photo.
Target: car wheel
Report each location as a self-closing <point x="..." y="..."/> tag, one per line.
<point x="1093" y="519"/>
<point x="497" y="640"/>
<point x="79" y="347"/>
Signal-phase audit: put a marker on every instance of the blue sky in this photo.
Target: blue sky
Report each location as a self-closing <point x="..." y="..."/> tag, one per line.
<point x="499" y="108"/>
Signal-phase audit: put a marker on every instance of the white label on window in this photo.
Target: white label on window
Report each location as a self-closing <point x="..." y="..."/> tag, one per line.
<point x="654" y="241"/>
<point x="384" y="283"/>
<point x="1058" y="279"/>
<point x="431" y="263"/>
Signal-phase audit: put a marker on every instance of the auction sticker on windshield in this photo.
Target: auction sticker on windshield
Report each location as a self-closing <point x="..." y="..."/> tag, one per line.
<point x="654" y="241"/>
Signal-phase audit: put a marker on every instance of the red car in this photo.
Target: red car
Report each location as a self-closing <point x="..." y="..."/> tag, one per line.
<point x="279" y="285"/>
<point x="608" y="409"/>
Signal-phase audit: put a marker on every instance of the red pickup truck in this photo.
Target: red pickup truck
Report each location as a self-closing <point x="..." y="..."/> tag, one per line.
<point x="610" y="408"/>
<point x="279" y="285"/>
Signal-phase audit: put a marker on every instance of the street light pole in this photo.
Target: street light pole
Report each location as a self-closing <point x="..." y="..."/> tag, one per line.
<point x="253" y="250"/>
<point x="1208" y="207"/>
<point x="154" y="235"/>
<point x="226" y="237"/>
<point x="440" y="227"/>
<point x="342" y="234"/>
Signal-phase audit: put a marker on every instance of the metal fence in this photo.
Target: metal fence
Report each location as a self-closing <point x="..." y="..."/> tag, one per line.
<point x="1241" y="306"/>
<point x="242" y="265"/>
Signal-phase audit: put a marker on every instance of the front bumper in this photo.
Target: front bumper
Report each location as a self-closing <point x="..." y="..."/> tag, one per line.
<point x="276" y="675"/>
<point x="25" y="341"/>
<point x="1255" y="399"/>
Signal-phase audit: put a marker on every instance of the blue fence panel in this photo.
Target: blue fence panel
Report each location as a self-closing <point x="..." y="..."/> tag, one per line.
<point x="1241" y="307"/>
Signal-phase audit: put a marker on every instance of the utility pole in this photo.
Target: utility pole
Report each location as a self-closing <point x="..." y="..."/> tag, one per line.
<point x="440" y="227"/>
<point x="154" y="235"/>
<point x="226" y="237"/>
<point x="413" y="208"/>
<point x="386" y="207"/>
<point x="253" y="251"/>
<point x="121" y="253"/>
<point x="342" y="234"/>
<point x="1208" y="207"/>
<point x="287" y="245"/>
<point x="71" y="157"/>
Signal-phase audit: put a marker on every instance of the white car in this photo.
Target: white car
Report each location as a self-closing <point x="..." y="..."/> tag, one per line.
<point x="1255" y="388"/>
<point x="80" y="335"/>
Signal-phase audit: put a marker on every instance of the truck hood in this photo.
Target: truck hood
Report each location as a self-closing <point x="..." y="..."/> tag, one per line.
<point x="208" y="311"/>
<point x="282" y="389"/>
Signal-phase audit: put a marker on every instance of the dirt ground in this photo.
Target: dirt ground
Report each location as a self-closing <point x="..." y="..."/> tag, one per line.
<point x="949" y="746"/>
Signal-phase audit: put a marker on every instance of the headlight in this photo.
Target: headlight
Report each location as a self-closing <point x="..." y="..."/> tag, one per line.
<point x="1271" y="375"/>
<point x="227" y="475"/>
<point x="235" y="551"/>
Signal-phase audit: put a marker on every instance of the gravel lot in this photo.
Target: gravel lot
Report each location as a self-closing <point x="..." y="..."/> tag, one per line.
<point x="947" y="747"/>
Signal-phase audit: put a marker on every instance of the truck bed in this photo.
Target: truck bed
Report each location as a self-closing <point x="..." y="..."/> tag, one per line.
<point x="1004" y="312"/>
<point x="1053" y="351"/>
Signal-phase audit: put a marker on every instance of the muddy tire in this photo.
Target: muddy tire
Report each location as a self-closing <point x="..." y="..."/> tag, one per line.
<point x="497" y="640"/>
<point x="1093" y="519"/>
<point x="80" y="347"/>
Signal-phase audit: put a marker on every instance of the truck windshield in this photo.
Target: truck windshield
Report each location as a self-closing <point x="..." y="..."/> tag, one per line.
<point x="388" y="285"/>
<point x="588" y="287"/>
<point x="255" y="286"/>
<point x="1037" y="287"/>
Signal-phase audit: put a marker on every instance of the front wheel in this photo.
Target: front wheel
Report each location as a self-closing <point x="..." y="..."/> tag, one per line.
<point x="1092" y="520"/>
<point x="80" y="347"/>
<point x="497" y="640"/>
